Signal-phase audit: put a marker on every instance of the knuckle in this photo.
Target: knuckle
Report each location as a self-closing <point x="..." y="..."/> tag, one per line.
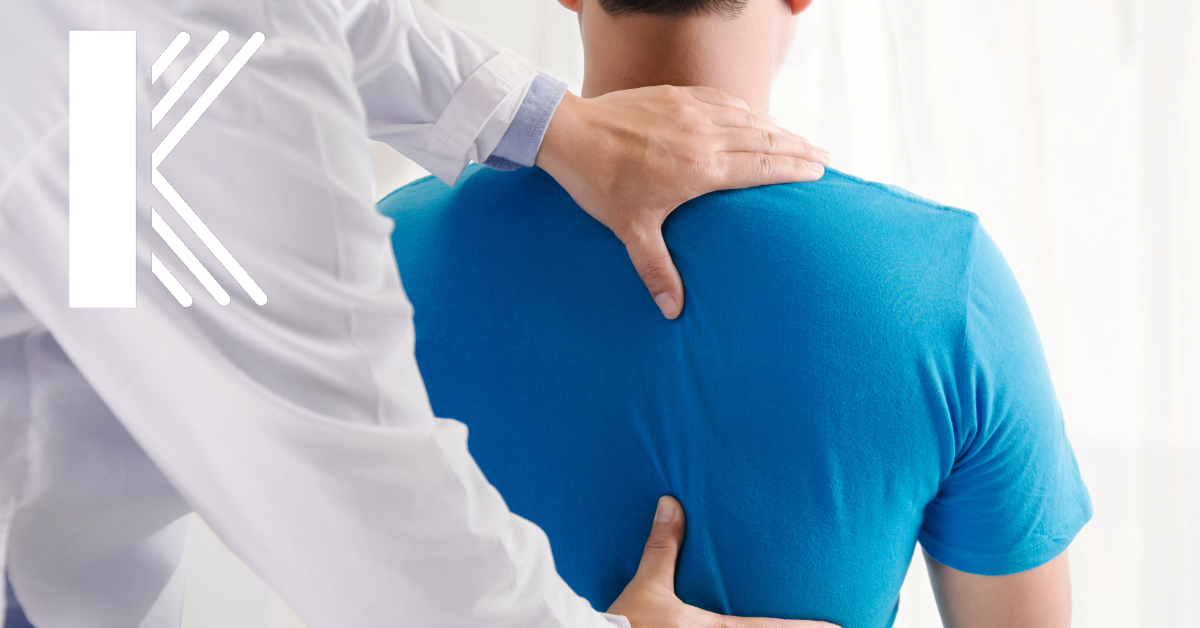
<point x="688" y="106"/>
<point x="770" y="142"/>
<point x="654" y="273"/>
<point x="660" y="544"/>
<point x="763" y="167"/>
<point x="675" y="95"/>
<point x="751" y="120"/>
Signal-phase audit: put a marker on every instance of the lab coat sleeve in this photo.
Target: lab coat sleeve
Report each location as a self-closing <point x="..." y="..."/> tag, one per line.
<point x="520" y="144"/>
<point x="438" y="93"/>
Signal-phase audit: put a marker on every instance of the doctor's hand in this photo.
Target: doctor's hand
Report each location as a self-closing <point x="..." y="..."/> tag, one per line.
<point x="629" y="158"/>
<point x="649" y="601"/>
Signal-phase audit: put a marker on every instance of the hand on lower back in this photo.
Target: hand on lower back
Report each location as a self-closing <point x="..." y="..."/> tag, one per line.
<point x="629" y="158"/>
<point x="649" y="601"/>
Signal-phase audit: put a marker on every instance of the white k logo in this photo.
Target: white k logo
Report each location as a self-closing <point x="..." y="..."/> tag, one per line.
<point x="102" y="205"/>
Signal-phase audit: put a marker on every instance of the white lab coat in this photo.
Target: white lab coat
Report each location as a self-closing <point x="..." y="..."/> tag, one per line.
<point x="300" y="430"/>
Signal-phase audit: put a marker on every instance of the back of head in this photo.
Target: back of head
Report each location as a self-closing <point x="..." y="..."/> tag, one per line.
<point x="730" y="8"/>
<point x="736" y="46"/>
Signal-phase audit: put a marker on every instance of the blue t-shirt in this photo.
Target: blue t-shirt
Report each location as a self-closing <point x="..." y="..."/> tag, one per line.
<point x="855" y="370"/>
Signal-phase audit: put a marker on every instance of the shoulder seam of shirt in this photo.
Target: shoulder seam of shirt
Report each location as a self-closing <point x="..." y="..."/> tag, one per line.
<point x="901" y="194"/>
<point x="964" y="408"/>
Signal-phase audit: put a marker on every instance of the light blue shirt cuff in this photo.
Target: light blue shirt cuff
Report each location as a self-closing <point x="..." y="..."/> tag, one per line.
<point x="519" y="146"/>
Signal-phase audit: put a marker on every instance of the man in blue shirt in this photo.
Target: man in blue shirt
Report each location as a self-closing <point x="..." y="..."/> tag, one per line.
<point x="855" y="369"/>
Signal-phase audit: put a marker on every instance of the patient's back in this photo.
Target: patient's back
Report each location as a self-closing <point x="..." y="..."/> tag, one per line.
<point x="854" y="370"/>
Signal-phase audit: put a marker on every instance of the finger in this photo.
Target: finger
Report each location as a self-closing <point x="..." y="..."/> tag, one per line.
<point x="772" y="143"/>
<point x="729" y="110"/>
<point x="717" y="97"/>
<point x="662" y="548"/>
<point x="746" y="122"/>
<point x="743" y="170"/>
<point x="766" y="622"/>
<point x="654" y="265"/>
<point x="740" y="118"/>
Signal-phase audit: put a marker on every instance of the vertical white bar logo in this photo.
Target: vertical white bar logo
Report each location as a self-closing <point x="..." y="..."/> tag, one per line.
<point x="102" y="229"/>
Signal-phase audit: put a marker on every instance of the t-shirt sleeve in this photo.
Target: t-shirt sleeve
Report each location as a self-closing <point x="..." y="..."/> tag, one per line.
<point x="1013" y="499"/>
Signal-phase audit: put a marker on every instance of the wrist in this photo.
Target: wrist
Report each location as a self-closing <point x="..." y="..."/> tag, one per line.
<point x="561" y="134"/>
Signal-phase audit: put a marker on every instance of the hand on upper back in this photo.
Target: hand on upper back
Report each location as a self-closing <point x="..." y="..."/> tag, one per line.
<point x="629" y="158"/>
<point x="1037" y="598"/>
<point x="649" y="600"/>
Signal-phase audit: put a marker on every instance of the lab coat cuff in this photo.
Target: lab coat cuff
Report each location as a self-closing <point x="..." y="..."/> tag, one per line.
<point x="616" y="620"/>
<point x="520" y="144"/>
<point x="493" y="91"/>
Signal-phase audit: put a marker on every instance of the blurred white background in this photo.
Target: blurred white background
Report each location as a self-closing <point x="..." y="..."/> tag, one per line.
<point x="1072" y="127"/>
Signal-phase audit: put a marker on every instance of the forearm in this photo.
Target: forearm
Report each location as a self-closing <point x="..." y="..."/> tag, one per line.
<point x="440" y="94"/>
<point x="1038" y="598"/>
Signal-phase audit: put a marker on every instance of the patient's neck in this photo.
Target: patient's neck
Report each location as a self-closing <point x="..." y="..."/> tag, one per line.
<point x="739" y="56"/>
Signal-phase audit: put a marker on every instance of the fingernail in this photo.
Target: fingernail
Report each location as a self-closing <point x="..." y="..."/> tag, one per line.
<point x="666" y="303"/>
<point x="824" y="156"/>
<point x="665" y="512"/>
<point x="817" y="170"/>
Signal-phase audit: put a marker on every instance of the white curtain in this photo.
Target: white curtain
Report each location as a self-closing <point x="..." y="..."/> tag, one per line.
<point x="1072" y="127"/>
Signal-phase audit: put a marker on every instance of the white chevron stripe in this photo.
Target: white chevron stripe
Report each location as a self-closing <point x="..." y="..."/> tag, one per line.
<point x="206" y="99"/>
<point x="188" y="258"/>
<point x="189" y="76"/>
<point x="180" y="206"/>
<point x="218" y="250"/>
<point x="170" y="281"/>
<point x="168" y="56"/>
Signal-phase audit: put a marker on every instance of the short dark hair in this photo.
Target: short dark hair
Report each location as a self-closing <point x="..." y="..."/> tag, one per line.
<point x="728" y="8"/>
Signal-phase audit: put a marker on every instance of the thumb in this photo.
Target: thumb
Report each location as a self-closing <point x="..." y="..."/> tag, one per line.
<point x="653" y="262"/>
<point x="662" y="548"/>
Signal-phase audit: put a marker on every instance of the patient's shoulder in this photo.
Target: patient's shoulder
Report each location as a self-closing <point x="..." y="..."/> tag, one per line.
<point x="898" y="194"/>
<point x="479" y="187"/>
<point x="843" y="210"/>
<point x="838" y="189"/>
